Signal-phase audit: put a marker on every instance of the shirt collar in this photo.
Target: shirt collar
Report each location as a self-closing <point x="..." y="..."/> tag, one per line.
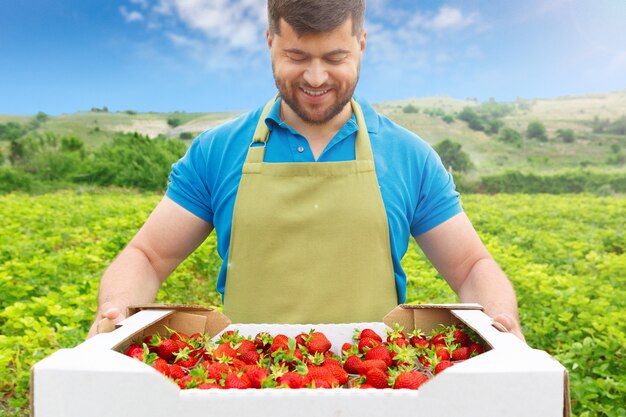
<point x="369" y="114"/>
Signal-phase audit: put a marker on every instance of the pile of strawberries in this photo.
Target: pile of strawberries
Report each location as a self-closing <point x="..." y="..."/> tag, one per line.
<point x="306" y="361"/>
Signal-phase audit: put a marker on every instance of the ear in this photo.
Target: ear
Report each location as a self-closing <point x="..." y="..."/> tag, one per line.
<point x="363" y="41"/>
<point x="269" y="38"/>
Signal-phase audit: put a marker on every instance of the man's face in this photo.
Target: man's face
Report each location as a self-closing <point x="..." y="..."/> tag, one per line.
<point x="316" y="74"/>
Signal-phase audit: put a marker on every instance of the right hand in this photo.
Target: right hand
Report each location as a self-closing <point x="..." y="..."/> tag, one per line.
<point x="109" y="311"/>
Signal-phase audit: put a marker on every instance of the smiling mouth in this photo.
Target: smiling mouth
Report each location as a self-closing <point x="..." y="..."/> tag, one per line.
<point x="314" y="93"/>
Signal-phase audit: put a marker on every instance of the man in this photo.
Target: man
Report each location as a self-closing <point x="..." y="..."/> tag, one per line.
<point x="313" y="198"/>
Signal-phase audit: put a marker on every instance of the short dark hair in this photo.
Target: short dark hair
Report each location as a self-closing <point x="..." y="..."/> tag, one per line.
<point x="315" y="16"/>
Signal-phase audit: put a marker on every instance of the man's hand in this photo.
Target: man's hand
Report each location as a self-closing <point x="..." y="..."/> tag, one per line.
<point x="510" y="324"/>
<point x="108" y="311"/>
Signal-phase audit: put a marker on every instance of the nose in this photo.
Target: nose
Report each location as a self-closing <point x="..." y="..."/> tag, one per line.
<point x="315" y="74"/>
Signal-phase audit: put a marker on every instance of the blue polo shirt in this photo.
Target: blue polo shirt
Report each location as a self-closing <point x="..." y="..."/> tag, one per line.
<point x="418" y="193"/>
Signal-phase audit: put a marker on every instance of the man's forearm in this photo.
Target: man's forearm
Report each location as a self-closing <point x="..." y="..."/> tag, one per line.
<point x="486" y="284"/>
<point x="130" y="279"/>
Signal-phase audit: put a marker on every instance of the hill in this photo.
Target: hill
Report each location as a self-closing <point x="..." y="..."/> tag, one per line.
<point x="587" y="117"/>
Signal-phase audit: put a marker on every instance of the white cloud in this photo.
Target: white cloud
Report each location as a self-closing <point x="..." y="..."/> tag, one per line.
<point x="131" y="15"/>
<point x="238" y="24"/>
<point x="142" y="3"/>
<point x="446" y="18"/>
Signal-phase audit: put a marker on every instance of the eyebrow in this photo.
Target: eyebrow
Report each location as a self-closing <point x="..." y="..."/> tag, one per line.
<point x="301" y="52"/>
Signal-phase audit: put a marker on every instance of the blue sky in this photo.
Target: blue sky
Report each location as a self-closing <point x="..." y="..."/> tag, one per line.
<point x="65" y="56"/>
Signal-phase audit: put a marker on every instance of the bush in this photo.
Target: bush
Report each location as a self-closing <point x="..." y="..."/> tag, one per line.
<point x="566" y="135"/>
<point x="185" y="136"/>
<point x="562" y="183"/>
<point x="12" y="179"/>
<point x="452" y="156"/>
<point x="409" y="108"/>
<point x="134" y="160"/>
<point x="510" y="136"/>
<point x="11" y="130"/>
<point x="536" y="130"/>
<point x="174" y="122"/>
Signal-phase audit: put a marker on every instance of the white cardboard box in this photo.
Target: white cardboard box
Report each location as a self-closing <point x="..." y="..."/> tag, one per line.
<point x="95" y="380"/>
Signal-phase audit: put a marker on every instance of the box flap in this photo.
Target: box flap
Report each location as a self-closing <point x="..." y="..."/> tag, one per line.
<point x="132" y="309"/>
<point x="425" y="316"/>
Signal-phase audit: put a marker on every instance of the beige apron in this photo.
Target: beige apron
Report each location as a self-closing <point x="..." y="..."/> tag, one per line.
<point x="309" y="241"/>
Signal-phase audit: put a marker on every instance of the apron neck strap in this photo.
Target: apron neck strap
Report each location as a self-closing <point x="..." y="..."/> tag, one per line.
<point x="363" y="147"/>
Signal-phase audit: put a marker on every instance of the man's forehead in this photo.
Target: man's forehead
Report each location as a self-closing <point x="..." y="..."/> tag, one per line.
<point x="285" y="28"/>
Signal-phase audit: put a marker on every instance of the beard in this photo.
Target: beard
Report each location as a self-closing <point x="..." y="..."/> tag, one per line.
<point x="318" y="114"/>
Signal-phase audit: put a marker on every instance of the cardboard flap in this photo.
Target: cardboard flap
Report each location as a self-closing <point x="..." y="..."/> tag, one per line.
<point x="425" y="316"/>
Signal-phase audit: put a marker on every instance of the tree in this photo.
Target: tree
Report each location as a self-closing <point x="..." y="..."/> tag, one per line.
<point x="409" y="108"/>
<point x="11" y="130"/>
<point x="536" y="130"/>
<point x="566" y="135"/>
<point x="510" y="136"/>
<point x="452" y="156"/>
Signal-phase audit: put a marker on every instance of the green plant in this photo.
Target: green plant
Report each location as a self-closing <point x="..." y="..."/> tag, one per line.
<point x="452" y="156"/>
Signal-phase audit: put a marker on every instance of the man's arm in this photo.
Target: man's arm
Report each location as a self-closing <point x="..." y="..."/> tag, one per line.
<point x="456" y="251"/>
<point x="169" y="235"/>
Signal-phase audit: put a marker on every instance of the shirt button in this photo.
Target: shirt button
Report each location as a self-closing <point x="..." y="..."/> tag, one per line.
<point x="300" y="149"/>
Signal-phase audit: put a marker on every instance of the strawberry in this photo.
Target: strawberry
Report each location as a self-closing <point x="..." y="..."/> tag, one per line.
<point x="263" y="341"/>
<point x="167" y="348"/>
<point x="376" y="378"/>
<point x="409" y="380"/>
<point x="352" y="364"/>
<point x="179" y="336"/>
<point x="368" y="343"/>
<point x="245" y="345"/>
<point x="292" y="380"/>
<point x="346" y="348"/>
<point x="176" y="372"/>
<point x="361" y="334"/>
<point x="135" y="350"/>
<point x="379" y="352"/>
<point x="321" y="373"/>
<point x="238" y="382"/>
<point x="317" y="342"/>
<point x="256" y="375"/>
<point x="250" y="357"/>
<point x="442" y="365"/>
<point x="460" y="354"/>
<point x="367" y="365"/>
<point x="185" y="358"/>
<point x="443" y="354"/>
<point x="395" y="333"/>
<point x="461" y="338"/>
<point x="217" y="371"/>
<point x="475" y="349"/>
<point x="338" y="372"/>
<point x="209" y="385"/>
<point x="225" y="349"/>
<point x="161" y="365"/>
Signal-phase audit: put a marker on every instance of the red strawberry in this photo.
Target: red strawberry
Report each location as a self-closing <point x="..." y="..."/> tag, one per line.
<point x="250" y="357"/>
<point x="161" y="365"/>
<point x="167" y="348"/>
<point x="185" y="358"/>
<point x="443" y="354"/>
<point x="217" y="371"/>
<point x="135" y="350"/>
<point x="346" y="347"/>
<point x="367" y="365"/>
<point x="368" y="333"/>
<point x="340" y="375"/>
<point x="460" y="354"/>
<point x="209" y="385"/>
<point x="256" y="375"/>
<point x="410" y="380"/>
<point x="176" y="372"/>
<point x="321" y="373"/>
<point x="442" y="365"/>
<point x="475" y="349"/>
<point x="368" y="343"/>
<point x="318" y="343"/>
<point x="379" y="352"/>
<point x="237" y="382"/>
<point x="225" y="349"/>
<point x="179" y="336"/>
<point x="263" y="341"/>
<point x="460" y="338"/>
<point x="352" y="364"/>
<point x="292" y="380"/>
<point x="438" y="339"/>
<point x="376" y="378"/>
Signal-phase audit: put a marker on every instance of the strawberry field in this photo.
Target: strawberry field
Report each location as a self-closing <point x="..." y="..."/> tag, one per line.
<point x="564" y="254"/>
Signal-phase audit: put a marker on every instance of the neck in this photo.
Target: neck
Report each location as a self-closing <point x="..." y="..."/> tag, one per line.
<point x="317" y="134"/>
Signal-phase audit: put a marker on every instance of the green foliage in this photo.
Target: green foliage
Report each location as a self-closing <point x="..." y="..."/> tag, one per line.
<point x="104" y="109"/>
<point x="12" y="179"/>
<point x="410" y="108"/>
<point x="618" y="127"/>
<point x="617" y="156"/>
<point x="131" y="112"/>
<point x="562" y="183"/>
<point x="536" y="130"/>
<point x="185" y="136"/>
<point x="174" y="121"/>
<point x="474" y="121"/>
<point x="566" y="135"/>
<point x="134" y="160"/>
<point x="510" y="136"/>
<point x="11" y="130"/>
<point x="452" y="156"/>
<point x="566" y="256"/>
<point x="41" y="117"/>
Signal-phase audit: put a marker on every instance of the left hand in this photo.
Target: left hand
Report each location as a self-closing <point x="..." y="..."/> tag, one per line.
<point x="510" y="324"/>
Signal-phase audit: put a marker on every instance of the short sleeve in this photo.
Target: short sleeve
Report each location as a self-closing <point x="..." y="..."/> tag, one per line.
<point x="438" y="199"/>
<point x="187" y="183"/>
